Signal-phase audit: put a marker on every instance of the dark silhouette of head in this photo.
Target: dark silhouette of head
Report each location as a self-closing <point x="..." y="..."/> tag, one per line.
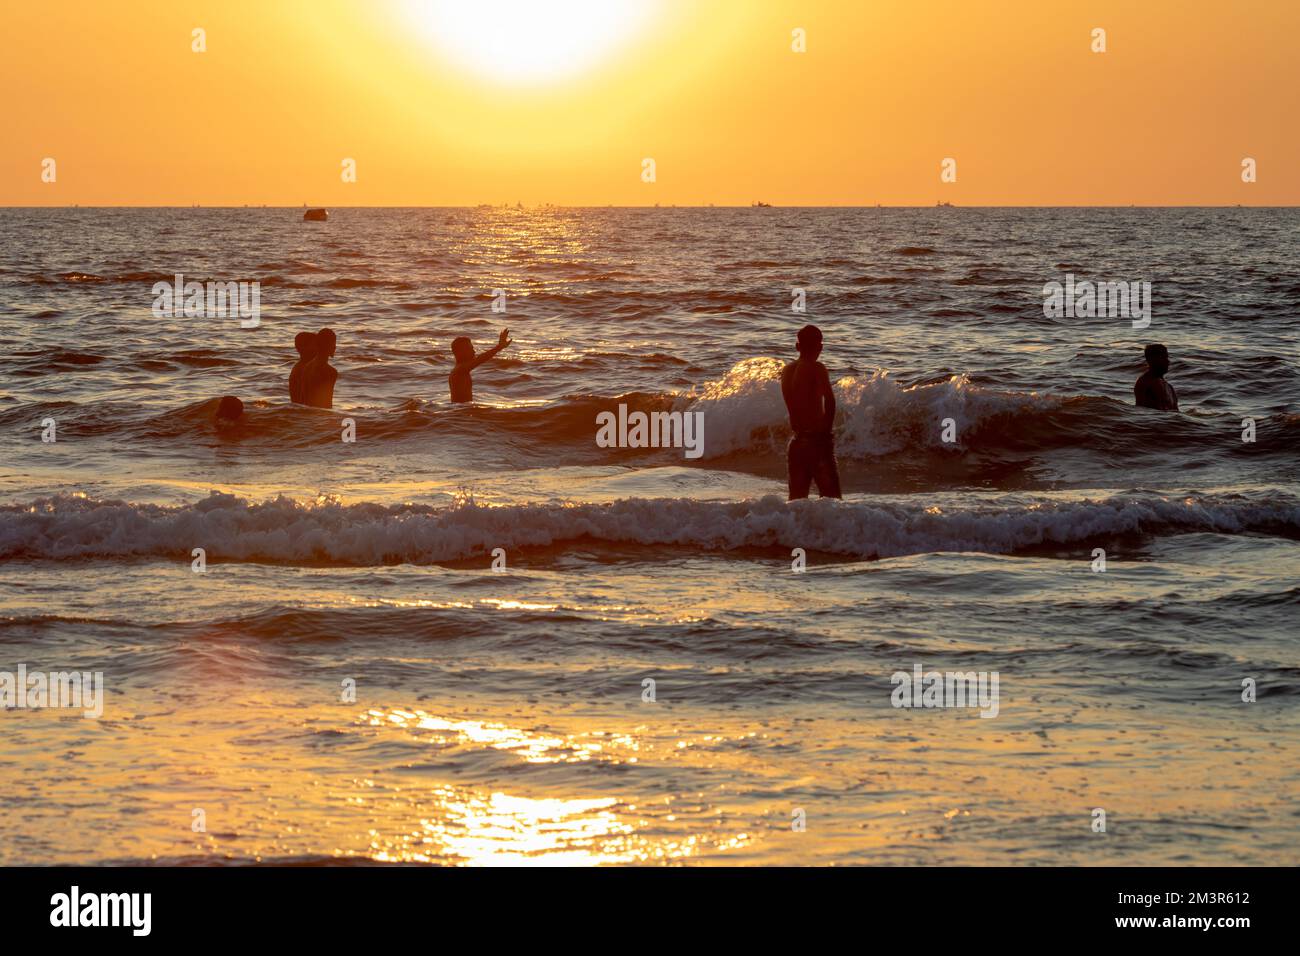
<point x="305" y="343"/>
<point x="1157" y="357"/>
<point x="462" y="348"/>
<point x="325" y="340"/>
<point x="809" y="342"/>
<point x="229" y="409"/>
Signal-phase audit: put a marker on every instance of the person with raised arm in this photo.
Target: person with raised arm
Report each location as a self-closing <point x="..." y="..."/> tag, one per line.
<point x="462" y="349"/>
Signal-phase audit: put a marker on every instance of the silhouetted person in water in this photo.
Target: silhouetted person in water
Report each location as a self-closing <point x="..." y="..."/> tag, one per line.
<point x="229" y="410"/>
<point x="462" y="386"/>
<point x="305" y="343"/>
<point x="1151" y="390"/>
<point x="806" y="388"/>
<point x="319" y="376"/>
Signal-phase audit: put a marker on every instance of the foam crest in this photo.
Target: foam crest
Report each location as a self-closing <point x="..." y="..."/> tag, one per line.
<point x="366" y="533"/>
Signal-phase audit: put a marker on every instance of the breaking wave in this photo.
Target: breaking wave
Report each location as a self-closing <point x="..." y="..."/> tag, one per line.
<point x="283" y="530"/>
<point x="877" y="416"/>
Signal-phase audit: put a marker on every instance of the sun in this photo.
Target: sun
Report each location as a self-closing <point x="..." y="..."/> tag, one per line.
<point x="529" y="41"/>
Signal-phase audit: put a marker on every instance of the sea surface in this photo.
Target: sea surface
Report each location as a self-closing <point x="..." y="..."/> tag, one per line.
<point x="649" y="679"/>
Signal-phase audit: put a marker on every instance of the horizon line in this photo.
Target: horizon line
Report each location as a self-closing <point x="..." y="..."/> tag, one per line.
<point x="661" y="206"/>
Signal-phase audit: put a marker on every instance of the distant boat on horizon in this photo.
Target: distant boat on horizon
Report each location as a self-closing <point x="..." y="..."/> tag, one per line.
<point x="943" y="205"/>
<point x="761" y="205"/>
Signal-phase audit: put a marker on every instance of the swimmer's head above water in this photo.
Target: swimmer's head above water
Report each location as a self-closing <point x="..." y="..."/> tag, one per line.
<point x="305" y="343"/>
<point x="809" y="342"/>
<point x="229" y="410"/>
<point x="1157" y="357"/>
<point x="325" y="343"/>
<point x="462" y="349"/>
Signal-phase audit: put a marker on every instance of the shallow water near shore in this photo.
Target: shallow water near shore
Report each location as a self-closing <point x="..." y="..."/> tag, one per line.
<point x="500" y="717"/>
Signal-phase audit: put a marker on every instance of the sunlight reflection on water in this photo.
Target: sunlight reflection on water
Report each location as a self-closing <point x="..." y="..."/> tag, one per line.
<point x="479" y="828"/>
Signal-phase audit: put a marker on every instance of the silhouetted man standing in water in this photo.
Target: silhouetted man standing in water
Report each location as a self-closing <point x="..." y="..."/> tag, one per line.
<point x="806" y="388"/>
<point x="305" y="343"/>
<point x="1151" y="389"/>
<point x="319" y="376"/>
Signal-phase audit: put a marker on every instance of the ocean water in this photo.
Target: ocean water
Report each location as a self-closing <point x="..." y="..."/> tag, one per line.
<point x="349" y="680"/>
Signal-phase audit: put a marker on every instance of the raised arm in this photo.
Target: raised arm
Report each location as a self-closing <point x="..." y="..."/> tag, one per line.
<point x="502" y="342"/>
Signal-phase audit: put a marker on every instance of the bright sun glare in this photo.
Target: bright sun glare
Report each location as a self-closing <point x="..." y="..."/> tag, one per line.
<point x="520" y="41"/>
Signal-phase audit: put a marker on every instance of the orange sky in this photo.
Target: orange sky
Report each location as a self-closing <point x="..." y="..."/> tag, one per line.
<point x="711" y="90"/>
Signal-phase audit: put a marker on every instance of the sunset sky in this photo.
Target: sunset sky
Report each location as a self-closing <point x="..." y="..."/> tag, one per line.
<point x="484" y="101"/>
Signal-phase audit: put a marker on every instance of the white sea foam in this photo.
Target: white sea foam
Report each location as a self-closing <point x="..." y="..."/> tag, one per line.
<point x="282" y="530"/>
<point x="876" y="415"/>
